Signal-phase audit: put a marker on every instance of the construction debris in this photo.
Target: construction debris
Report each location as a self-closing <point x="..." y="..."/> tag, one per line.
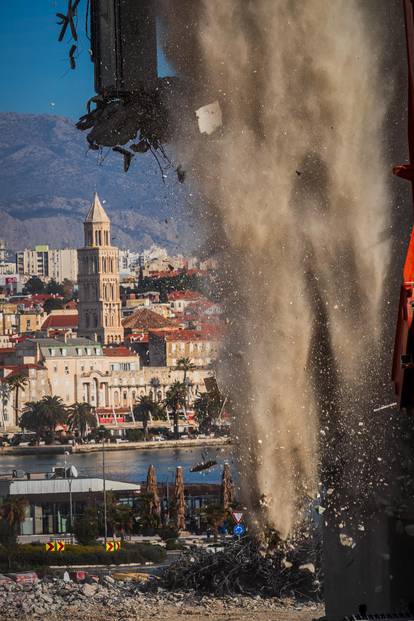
<point x="243" y="567"/>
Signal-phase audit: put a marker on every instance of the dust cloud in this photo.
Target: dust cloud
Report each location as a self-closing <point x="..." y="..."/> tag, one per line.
<point x="296" y="209"/>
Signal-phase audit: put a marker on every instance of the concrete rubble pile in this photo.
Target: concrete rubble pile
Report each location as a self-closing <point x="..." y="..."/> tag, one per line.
<point x="58" y="598"/>
<point x="244" y="567"/>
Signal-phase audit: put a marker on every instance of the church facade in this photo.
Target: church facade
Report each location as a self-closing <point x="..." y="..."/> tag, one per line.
<point x="99" y="305"/>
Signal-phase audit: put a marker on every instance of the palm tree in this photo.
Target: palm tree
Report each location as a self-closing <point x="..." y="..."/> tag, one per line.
<point x="175" y="399"/>
<point x="43" y="416"/>
<point x="147" y="409"/>
<point x="16" y="383"/>
<point x="55" y="412"/>
<point x="185" y="364"/>
<point x="14" y="512"/>
<point x="81" y="418"/>
<point x="33" y="419"/>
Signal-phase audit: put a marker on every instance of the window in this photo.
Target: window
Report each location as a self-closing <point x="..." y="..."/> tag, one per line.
<point x="173" y="347"/>
<point x="82" y="368"/>
<point x="67" y="370"/>
<point x="55" y="369"/>
<point x="63" y="352"/>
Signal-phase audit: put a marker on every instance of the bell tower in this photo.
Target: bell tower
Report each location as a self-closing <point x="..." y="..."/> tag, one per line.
<point x="98" y="280"/>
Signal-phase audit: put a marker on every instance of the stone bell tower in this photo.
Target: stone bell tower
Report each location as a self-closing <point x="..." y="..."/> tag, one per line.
<point x="98" y="279"/>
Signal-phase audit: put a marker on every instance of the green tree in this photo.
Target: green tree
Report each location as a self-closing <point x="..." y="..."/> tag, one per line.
<point x="81" y="418"/>
<point x="68" y="287"/>
<point x="176" y="399"/>
<point x="120" y="516"/>
<point x="86" y="528"/>
<point x="17" y="382"/>
<point x="145" y="517"/>
<point x="185" y="364"/>
<point x="53" y="304"/>
<point x="207" y="408"/>
<point x="12" y="514"/>
<point x="147" y="408"/>
<point x="214" y="515"/>
<point x="55" y="412"/>
<point x="13" y="510"/>
<point x="44" y="416"/>
<point x="54" y="288"/>
<point x="33" y="419"/>
<point x="8" y="540"/>
<point x="34" y="285"/>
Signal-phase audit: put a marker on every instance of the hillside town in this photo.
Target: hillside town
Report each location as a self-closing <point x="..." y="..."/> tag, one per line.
<point x="130" y="337"/>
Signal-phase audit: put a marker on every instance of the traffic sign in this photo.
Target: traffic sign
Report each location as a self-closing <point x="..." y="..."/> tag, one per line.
<point x="117" y="545"/>
<point x="60" y="546"/>
<point x="239" y="530"/>
<point x="55" y="546"/>
<point x="237" y="516"/>
<point x="113" y="546"/>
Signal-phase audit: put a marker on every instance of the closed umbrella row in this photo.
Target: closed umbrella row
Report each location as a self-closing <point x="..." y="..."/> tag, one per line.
<point x="178" y="508"/>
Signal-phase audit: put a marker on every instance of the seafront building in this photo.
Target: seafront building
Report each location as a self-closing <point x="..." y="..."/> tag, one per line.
<point x="97" y="349"/>
<point x="110" y="379"/>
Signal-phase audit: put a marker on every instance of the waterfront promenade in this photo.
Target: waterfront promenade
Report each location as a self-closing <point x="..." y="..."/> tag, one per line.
<point x="60" y="449"/>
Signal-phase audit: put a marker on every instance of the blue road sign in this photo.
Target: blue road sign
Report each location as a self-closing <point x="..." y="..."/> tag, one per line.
<point x="239" y="530"/>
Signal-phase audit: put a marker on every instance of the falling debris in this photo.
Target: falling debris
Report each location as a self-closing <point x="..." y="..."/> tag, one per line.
<point x="307" y="567"/>
<point x="346" y="540"/>
<point x="180" y="174"/>
<point x="386" y="407"/>
<point x="127" y="156"/>
<point x="72" y="57"/>
<point x="209" y="118"/>
<point x="204" y="465"/>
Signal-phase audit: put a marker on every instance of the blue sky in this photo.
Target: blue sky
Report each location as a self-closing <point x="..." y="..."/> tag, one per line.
<point x="34" y="68"/>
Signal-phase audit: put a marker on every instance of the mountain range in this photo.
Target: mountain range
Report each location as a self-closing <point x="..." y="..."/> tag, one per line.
<point x="48" y="177"/>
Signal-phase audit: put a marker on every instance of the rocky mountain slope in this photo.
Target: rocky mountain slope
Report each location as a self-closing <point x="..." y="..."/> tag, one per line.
<point x="47" y="180"/>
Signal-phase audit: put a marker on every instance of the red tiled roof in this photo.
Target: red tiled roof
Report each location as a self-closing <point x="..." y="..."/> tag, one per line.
<point x="145" y="319"/>
<point x="186" y="335"/>
<point x="60" y="321"/>
<point x="118" y="351"/>
<point x="184" y="295"/>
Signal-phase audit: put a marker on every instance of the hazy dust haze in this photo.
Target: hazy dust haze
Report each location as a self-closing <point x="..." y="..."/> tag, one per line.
<point x="297" y="204"/>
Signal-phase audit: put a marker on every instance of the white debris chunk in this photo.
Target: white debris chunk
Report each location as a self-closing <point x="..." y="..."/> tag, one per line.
<point x="209" y="118"/>
<point x="346" y="540"/>
<point x="307" y="567"/>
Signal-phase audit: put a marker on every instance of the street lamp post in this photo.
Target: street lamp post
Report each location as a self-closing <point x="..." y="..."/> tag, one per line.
<point x="102" y="433"/>
<point x="70" y="498"/>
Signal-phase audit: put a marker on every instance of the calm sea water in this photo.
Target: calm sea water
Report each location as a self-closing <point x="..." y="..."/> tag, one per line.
<point x="130" y="466"/>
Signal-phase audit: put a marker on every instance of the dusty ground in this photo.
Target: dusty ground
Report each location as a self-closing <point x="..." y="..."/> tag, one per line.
<point x="191" y="613"/>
